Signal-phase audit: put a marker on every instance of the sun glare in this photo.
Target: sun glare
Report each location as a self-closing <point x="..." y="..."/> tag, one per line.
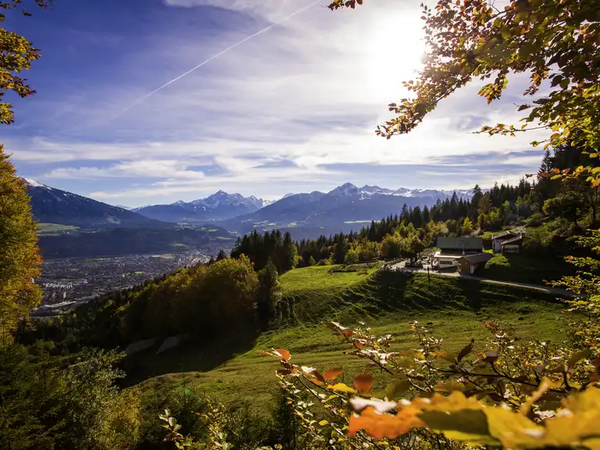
<point x="394" y="50"/>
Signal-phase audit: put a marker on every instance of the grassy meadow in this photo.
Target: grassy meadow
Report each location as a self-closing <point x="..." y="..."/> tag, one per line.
<point x="453" y="308"/>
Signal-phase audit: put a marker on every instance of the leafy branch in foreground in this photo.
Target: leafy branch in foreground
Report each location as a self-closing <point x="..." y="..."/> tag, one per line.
<point x="509" y="393"/>
<point x="17" y="55"/>
<point x="555" y="43"/>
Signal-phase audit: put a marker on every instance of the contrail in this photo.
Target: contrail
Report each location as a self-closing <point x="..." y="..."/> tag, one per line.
<point x="216" y="55"/>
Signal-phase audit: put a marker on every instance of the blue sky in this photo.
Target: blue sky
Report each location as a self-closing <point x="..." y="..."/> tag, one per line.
<point x="292" y="109"/>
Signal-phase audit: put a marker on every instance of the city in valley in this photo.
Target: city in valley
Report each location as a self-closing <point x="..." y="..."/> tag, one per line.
<point x="71" y="281"/>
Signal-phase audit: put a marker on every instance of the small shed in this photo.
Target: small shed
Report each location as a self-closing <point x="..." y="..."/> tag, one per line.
<point x="512" y="245"/>
<point x="511" y="238"/>
<point x="468" y="264"/>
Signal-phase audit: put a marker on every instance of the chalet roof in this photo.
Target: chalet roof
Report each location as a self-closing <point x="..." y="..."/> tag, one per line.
<point x="502" y="234"/>
<point x="459" y="243"/>
<point x="477" y="258"/>
<point x="505" y="235"/>
<point x="512" y="240"/>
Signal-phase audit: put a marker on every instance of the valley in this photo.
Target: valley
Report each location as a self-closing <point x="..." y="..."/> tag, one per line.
<point x="71" y="281"/>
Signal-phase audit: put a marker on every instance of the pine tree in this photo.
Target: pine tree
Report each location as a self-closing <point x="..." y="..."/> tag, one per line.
<point x="19" y="255"/>
<point x="269" y="293"/>
<point x="222" y="255"/>
<point x="340" y="249"/>
<point x="289" y="253"/>
<point x="311" y="261"/>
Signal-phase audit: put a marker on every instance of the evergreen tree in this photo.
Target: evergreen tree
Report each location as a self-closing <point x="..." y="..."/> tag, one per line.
<point x="289" y="253"/>
<point x="19" y="255"/>
<point x="269" y="293"/>
<point x="340" y="249"/>
<point x="311" y="261"/>
<point x="222" y="255"/>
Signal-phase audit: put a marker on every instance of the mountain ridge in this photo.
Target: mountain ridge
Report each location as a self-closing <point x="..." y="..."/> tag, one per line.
<point x="218" y="206"/>
<point x="345" y="208"/>
<point x="52" y="205"/>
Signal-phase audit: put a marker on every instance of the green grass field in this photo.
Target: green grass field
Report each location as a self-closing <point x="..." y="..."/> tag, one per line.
<point x="526" y="269"/>
<point x="232" y="370"/>
<point x="46" y="228"/>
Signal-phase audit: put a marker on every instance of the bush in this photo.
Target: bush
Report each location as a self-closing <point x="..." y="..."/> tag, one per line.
<point x="351" y="257"/>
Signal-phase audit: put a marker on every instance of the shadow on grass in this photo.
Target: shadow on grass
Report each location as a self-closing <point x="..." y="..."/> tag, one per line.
<point x="192" y="356"/>
<point x="392" y="291"/>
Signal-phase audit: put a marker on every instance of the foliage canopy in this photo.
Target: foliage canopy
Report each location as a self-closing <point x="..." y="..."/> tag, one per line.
<point x="554" y="42"/>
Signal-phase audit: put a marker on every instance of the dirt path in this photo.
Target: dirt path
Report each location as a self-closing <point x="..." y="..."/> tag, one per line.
<point x="537" y="287"/>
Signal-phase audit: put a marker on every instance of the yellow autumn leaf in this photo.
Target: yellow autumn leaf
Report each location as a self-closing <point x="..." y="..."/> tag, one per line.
<point x="341" y="387"/>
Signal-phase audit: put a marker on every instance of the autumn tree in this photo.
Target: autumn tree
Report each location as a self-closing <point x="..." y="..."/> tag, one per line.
<point x="17" y="55"/>
<point x="391" y="246"/>
<point x="467" y="226"/>
<point x="351" y="257"/>
<point x="19" y="256"/>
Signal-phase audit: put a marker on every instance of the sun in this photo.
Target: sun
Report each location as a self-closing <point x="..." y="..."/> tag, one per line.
<point x="394" y="49"/>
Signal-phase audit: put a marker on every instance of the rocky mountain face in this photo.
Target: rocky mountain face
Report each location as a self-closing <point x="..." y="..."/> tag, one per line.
<point x="219" y="206"/>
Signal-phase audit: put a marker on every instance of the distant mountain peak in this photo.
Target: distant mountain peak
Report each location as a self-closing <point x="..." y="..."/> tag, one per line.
<point x="344" y="189"/>
<point x="218" y="206"/>
<point x="33" y="183"/>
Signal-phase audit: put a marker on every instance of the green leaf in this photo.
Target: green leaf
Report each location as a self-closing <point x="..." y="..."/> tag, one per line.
<point x="466" y="425"/>
<point x="396" y="388"/>
<point x="578" y="357"/>
<point x="465" y="351"/>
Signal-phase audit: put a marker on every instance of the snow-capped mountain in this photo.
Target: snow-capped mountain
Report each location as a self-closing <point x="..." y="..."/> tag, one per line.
<point x="53" y="205"/>
<point x="218" y="206"/>
<point x="367" y="192"/>
<point x="345" y="208"/>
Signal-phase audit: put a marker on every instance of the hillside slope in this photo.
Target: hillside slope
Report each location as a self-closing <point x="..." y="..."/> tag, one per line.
<point x="51" y="205"/>
<point x="232" y="370"/>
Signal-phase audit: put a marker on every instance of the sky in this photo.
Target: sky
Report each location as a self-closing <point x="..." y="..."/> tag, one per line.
<point x="152" y="101"/>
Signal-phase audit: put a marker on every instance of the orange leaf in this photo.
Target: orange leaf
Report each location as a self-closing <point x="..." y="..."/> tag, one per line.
<point x="347" y="332"/>
<point x="381" y="426"/>
<point x="332" y="374"/>
<point x="285" y="355"/>
<point x="363" y="382"/>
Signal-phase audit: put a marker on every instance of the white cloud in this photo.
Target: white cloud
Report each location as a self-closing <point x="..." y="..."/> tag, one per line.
<point x="309" y="91"/>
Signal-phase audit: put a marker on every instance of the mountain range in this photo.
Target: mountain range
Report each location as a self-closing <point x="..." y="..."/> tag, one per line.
<point x="51" y="205"/>
<point x="344" y="208"/>
<point x="218" y="206"/>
